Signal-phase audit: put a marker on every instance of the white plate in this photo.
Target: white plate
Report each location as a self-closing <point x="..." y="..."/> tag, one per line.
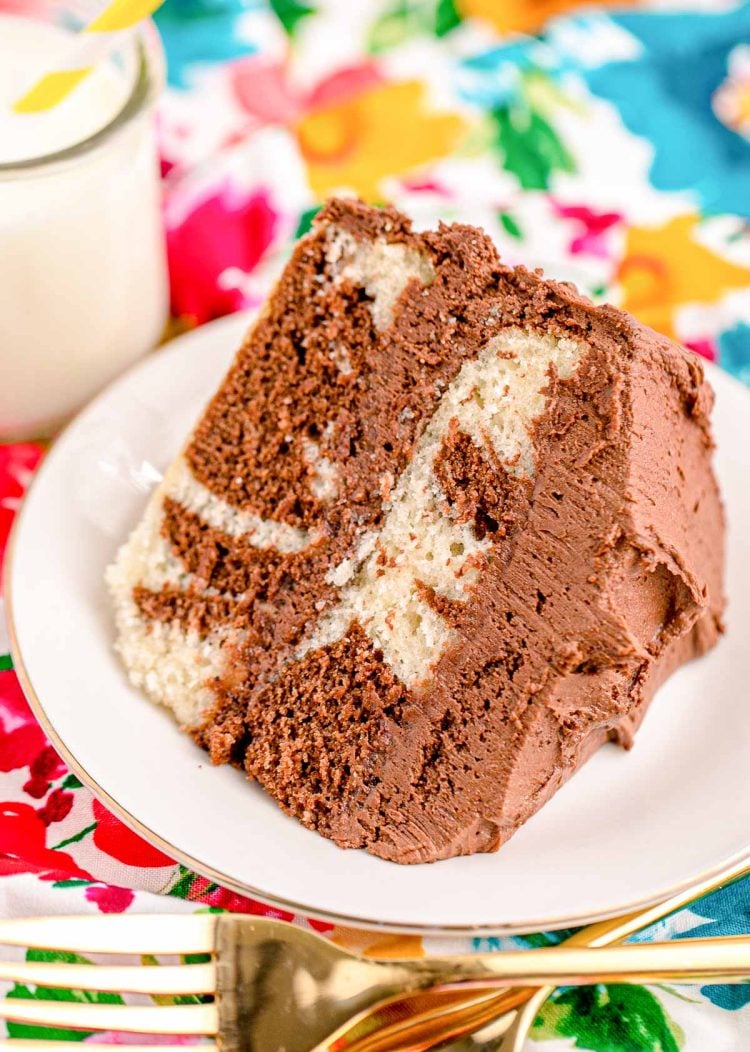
<point x="627" y="830"/>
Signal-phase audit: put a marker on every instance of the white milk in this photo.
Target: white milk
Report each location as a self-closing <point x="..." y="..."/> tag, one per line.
<point x="83" y="287"/>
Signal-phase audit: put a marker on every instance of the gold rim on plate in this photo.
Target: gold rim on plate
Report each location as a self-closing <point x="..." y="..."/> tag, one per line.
<point x="713" y="873"/>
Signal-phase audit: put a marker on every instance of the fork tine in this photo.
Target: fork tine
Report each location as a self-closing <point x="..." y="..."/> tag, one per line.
<point x="118" y="933"/>
<point x="30" y="1044"/>
<point x="134" y="1019"/>
<point x="148" y="979"/>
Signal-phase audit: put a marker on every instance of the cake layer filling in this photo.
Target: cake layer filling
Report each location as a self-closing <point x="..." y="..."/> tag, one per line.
<point x="423" y="548"/>
<point x="189" y="540"/>
<point x="284" y="440"/>
<point x="172" y="663"/>
<point x="323" y="472"/>
<point x="173" y="666"/>
<point x="382" y="269"/>
<point x="173" y="621"/>
<point x="181" y="485"/>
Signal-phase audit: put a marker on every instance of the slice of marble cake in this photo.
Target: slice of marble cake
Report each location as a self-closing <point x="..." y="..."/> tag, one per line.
<point x="440" y="534"/>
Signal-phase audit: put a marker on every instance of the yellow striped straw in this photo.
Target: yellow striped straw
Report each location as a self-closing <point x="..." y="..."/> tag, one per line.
<point x="92" y="43"/>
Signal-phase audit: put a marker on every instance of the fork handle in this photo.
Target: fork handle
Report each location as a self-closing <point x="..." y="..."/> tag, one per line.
<point x="684" y="961"/>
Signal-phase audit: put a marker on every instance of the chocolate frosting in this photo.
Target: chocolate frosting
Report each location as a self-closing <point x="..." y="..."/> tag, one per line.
<point x="604" y="575"/>
<point x="599" y="574"/>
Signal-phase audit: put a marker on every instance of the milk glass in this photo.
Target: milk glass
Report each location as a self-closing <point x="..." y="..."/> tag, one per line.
<point x="83" y="281"/>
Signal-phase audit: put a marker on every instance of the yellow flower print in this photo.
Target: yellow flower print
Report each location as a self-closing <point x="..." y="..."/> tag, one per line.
<point x="665" y="268"/>
<point x="384" y="131"/>
<point x="523" y="16"/>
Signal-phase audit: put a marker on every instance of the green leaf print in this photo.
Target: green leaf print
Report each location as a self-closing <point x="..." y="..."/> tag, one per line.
<point x="306" y="220"/>
<point x="409" y="18"/>
<point x="44" y="1033"/>
<point x="446" y="17"/>
<point x="509" y="225"/>
<point x="538" y="939"/>
<point x="290" y="13"/>
<point x="43" y="993"/>
<point x="55" y="957"/>
<point x="76" y="837"/>
<point x="183" y="883"/>
<point x="179" y="999"/>
<point x="616" y="1018"/>
<point x="530" y="147"/>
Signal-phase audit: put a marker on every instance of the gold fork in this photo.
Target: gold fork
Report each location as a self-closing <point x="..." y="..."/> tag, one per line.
<point x="432" y="1018"/>
<point x="277" y="986"/>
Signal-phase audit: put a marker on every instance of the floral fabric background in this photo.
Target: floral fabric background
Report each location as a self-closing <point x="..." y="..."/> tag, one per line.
<point x="608" y="145"/>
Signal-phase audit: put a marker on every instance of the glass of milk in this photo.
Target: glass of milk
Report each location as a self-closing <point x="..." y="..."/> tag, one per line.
<point x="83" y="281"/>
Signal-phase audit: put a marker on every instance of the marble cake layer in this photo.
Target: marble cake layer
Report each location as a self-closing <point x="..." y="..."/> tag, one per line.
<point x="440" y="534"/>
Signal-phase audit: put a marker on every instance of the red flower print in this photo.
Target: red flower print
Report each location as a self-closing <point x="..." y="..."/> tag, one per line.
<point x="202" y="890"/>
<point x="17" y="464"/>
<point x="23" y="845"/>
<point x="115" y="839"/>
<point x="425" y="185"/>
<point x="17" y="747"/>
<point x="319" y="926"/>
<point x="344" y="84"/>
<point x="705" y="347"/>
<point x="24" y="8"/>
<point x="22" y="741"/>
<point x="57" y="807"/>
<point x="223" y="898"/>
<point x="13" y="705"/>
<point x="263" y="90"/>
<point x="109" y="900"/>
<point x="594" y="226"/>
<point x="267" y="94"/>
<point x="229" y="230"/>
<point x="44" y="768"/>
